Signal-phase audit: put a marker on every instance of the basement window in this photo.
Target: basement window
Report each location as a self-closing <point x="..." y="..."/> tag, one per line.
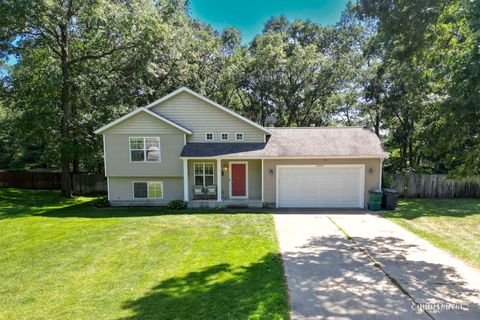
<point x="148" y="190"/>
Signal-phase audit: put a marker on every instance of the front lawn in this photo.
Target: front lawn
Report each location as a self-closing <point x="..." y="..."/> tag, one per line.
<point x="451" y="224"/>
<point x="64" y="259"/>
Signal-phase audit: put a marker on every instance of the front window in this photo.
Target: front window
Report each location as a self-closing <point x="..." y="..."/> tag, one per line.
<point x="203" y="174"/>
<point x="224" y="136"/>
<point x="148" y="190"/>
<point x="209" y="136"/>
<point x="145" y="149"/>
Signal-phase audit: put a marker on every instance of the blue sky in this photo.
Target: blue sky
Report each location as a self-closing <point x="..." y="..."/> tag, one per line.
<point x="249" y="16"/>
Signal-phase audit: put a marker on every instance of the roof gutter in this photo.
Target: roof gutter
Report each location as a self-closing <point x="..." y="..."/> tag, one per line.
<point x="286" y="158"/>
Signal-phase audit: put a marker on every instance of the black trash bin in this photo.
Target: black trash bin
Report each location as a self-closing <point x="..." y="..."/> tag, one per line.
<point x="389" y="200"/>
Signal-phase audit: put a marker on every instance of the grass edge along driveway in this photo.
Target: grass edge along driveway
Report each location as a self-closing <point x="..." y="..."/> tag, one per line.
<point x="63" y="258"/>
<point x="450" y="224"/>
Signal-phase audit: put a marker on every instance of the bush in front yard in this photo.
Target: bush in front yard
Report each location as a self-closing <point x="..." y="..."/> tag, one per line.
<point x="101" y="202"/>
<point x="176" y="205"/>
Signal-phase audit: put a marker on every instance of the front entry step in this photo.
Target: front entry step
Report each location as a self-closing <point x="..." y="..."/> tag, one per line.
<point x="237" y="206"/>
<point x="230" y="204"/>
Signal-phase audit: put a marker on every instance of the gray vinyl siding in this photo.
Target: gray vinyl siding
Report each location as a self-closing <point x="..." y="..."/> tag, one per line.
<point x="118" y="156"/>
<point x="372" y="173"/>
<point x="121" y="190"/>
<point x="254" y="177"/>
<point x="201" y="117"/>
<point x="143" y="123"/>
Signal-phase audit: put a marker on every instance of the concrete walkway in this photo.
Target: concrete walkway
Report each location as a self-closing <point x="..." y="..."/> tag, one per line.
<point x="381" y="272"/>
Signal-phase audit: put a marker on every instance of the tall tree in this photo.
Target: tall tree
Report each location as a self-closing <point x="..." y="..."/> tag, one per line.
<point x="431" y="71"/>
<point x="289" y="74"/>
<point x="69" y="34"/>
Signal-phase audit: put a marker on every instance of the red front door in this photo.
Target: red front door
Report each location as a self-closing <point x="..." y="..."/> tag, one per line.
<point x="239" y="180"/>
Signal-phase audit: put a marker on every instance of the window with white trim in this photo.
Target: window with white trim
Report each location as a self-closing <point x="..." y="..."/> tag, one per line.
<point x="209" y="136"/>
<point x="145" y="149"/>
<point x="148" y="190"/>
<point x="224" y="136"/>
<point x="239" y="136"/>
<point x="203" y="174"/>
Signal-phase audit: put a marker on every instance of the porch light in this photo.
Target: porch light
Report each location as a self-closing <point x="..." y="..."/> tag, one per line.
<point x="270" y="172"/>
<point x="225" y="168"/>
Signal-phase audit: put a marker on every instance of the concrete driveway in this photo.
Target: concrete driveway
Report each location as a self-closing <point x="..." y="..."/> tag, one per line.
<point x="357" y="265"/>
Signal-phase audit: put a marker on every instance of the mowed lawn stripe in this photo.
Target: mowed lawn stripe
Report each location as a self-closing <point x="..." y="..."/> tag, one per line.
<point x="79" y="262"/>
<point x="450" y="224"/>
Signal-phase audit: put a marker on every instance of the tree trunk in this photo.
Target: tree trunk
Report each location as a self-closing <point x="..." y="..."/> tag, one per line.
<point x="66" y="188"/>
<point x="75" y="131"/>
<point x="411" y="162"/>
<point x="377" y="121"/>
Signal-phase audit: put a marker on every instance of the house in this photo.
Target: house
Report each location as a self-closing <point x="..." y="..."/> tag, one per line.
<point x="185" y="146"/>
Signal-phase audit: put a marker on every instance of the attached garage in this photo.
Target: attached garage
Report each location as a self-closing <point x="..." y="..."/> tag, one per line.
<point x="317" y="186"/>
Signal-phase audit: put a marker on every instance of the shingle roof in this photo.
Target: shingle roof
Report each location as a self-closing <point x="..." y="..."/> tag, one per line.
<point x="298" y="142"/>
<point x="209" y="149"/>
<point x="328" y="141"/>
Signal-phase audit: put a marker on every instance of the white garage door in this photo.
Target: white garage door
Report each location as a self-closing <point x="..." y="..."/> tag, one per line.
<point x="329" y="186"/>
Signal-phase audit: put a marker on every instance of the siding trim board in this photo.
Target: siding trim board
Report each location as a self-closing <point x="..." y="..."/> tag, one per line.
<point x="263" y="185"/>
<point x="104" y="155"/>
<point x="381" y="172"/>
<point x="108" y="188"/>
<point x="185" y="180"/>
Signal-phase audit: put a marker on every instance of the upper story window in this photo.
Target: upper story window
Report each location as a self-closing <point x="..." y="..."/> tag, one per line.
<point x="209" y="136"/>
<point x="239" y="136"/>
<point x="224" y="136"/>
<point x="144" y="149"/>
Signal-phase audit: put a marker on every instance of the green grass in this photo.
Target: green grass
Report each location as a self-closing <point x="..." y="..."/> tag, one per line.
<point x="64" y="259"/>
<point x="451" y="224"/>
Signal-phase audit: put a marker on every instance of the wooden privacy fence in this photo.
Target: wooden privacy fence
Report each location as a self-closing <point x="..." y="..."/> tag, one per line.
<point x="82" y="183"/>
<point x="87" y="183"/>
<point x="435" y="186"/>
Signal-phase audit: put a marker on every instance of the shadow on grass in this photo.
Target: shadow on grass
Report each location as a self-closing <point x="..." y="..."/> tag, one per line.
<point x="17" y="203"/>
<point x="87" y="210"/>
<point x="218" y="292"/>
<point x="415" y="208"/>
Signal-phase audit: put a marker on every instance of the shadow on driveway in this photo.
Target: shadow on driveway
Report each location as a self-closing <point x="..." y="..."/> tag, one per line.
<point x="332" y="277"/>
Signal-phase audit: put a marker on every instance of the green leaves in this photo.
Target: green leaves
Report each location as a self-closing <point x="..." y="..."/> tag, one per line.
<point x="409" y="69"/>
